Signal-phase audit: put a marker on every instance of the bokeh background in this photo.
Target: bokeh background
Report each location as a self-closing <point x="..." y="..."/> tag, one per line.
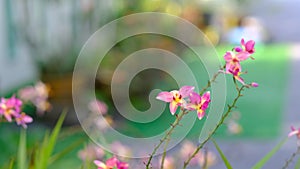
<point x="40" y="41"/>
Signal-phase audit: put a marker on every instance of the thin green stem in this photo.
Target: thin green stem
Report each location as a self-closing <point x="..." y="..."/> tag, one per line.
<point x="236" y="85"/>
<point x="165" y="153"/>
<point x="213" y="79"/>
<point x="289" y="161"/>
<point x="167" y="135"/>
<point x="229" y="109"/>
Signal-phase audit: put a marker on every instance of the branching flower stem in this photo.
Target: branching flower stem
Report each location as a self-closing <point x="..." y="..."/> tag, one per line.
<point x="229" y="109"/>
<point x="213" y="79"/>
<point x="176" y="123"/>
<point x="167" y="135"/>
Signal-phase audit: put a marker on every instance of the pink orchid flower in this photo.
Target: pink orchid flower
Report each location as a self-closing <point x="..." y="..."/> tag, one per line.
<point x="246" y="46"/>
<point x="111" y="163"/>
<point x="294" y="132"/>
<point x="199" y="103"/>
<point x="23" y="119"/>
<point x="233" y="60"/>
<point x="236" y="72"/>
<point x="175" y="97"/>
<point x="10" y="108"/>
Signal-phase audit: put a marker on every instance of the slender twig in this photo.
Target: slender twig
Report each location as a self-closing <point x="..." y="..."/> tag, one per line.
<point x="235" y="84"/>
<point x="289" y="161"/>
<point x="165" y="153"/>
<point x="176" y="123"/>
<point x="204" y="166"/>
<point x="230" y="107"/>
<point x="213" y="79"/>
<point x="167" y="135"/>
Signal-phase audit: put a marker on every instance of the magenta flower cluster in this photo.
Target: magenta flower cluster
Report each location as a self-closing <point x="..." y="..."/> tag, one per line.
<point x="112" y="163"/>
<point x="186" y="98"/>
<point x="233" y="59"/>
<point x="10" y="109"/>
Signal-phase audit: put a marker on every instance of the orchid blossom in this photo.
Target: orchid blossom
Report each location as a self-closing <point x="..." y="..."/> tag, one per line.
<point x="246" y="46"/>
<point x="10" y="108"/>
<point x="233" y="65"/>
<point x="23" y="119"/>
<point x="199" y="103"/>
<point x="175" y="97"/>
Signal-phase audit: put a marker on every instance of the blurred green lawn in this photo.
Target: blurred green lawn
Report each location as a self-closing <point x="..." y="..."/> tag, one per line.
<point x="261" y="109"/>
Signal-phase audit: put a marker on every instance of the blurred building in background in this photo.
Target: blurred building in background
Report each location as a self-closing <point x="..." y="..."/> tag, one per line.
<point x="42" y="39"/>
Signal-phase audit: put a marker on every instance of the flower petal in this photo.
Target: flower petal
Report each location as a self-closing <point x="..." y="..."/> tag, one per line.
<point x="293" y="133"/>
<point x="243" y="56"/>
<point x="185" y="91"/>
<point x="200" y="114"/>
<point x="238" y="49"/>
<point x="195" y="98"/>
<point x="100" y="164"/>
<point x="228" y="56"/>
<point x="243" y="42"/>
<point x="173" y="107"/>
<point x="190" y="106"/>
<point x="112" y="162"/>
<point x="206" y="96"/>
<point x="122" y="165"/>
<point x="240" y="79"/>
<point x="165" y="96"/>
<point x="250" y="46"/>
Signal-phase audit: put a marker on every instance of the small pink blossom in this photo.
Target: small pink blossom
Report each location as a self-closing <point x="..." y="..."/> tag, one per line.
<point x="10" y="108"/>
<point x="111" y="163"/>
<point x="37" y="95"/>
<point x="98" y="106"/>
<point x="91" y="152"/>
<point x="246" y="46"/>
<point x="236" y="72"/>
<point x="294" y="132"/>
<point x="254" y="84"/>
<point x="233" y="65"/>
<point x="175" y="97"/>
<point x="199" y="103"/>
<point x="23" y="119"/>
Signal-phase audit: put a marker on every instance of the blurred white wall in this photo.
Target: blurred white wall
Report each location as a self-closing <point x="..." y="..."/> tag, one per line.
<point x="14" y="70"/>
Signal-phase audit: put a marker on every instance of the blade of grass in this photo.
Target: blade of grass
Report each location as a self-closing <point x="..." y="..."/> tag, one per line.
<point x="52" y="140"/>
<point x="22" y="150"/>
<point x="39" y="154"/>
<point x="11" y="163"/>
<point x="297" y="165"/>
<point x="44" y="151"/>
<point x="226" y="162"/>
<point x="66" y="151"/>
<point x="267" y="157"/>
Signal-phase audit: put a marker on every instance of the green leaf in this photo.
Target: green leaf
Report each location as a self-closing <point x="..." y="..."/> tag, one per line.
<point x="22" y="150"/>
<point x="44" y="152"/>
<point x="226" y="162"/>
<point x="11" y="164"/>
<point x="267" y="157"/>
<point x="65" y="151"/>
